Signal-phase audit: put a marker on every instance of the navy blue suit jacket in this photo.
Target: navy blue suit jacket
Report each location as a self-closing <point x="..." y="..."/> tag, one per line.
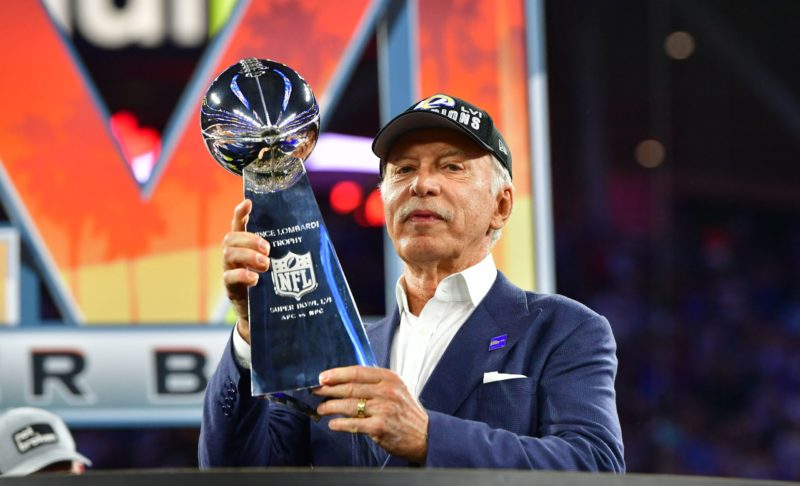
<point x="562" y="416"/>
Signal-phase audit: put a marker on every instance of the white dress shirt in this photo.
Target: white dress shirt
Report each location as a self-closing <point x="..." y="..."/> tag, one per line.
<point x="420" y="341"/>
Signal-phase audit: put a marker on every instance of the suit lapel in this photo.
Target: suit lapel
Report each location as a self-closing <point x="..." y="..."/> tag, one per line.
<point x="504" y="311"/>
<point x="380" y="337"/>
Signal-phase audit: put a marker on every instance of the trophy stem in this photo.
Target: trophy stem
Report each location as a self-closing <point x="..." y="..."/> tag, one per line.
<point x="303" y="319"/>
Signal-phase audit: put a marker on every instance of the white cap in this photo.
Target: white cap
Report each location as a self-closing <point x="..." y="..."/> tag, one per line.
<point x="32" y="439"/>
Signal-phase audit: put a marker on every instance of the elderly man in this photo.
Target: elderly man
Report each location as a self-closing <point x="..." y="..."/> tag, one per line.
<point x="475" y="371"/>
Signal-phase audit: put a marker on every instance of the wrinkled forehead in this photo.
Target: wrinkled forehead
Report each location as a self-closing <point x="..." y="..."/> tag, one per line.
<point x="433" y="142"/>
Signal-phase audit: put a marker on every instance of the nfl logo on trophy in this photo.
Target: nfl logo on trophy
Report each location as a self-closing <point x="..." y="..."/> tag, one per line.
<point x="293" y="275"/>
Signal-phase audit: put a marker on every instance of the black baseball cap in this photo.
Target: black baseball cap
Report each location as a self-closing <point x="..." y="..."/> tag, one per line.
<point x="444" y="111"/>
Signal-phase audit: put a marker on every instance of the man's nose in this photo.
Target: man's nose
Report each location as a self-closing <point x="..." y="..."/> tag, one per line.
<point x="426" y="183"/>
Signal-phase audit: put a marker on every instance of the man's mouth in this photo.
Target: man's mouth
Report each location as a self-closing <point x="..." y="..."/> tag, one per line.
<point x="420" y="216"/>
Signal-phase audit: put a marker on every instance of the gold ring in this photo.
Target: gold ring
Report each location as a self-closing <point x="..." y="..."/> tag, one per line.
<point x="361" y="408"/>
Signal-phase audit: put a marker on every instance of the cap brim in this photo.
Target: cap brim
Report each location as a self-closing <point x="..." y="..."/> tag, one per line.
<point x="41" y="461"/>
<point x="416" y="120"/>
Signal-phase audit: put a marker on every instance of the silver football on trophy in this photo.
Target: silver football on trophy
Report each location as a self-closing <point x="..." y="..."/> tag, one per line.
<point x="260" y="119"/>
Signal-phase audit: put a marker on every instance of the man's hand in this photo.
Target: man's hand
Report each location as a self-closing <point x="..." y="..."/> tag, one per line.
<point x="243" y="256"/>
<point x="392" y="417"/>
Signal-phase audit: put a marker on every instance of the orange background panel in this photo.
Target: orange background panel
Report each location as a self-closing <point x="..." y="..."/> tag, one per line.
<point x="475" y="50"/>
<point x="100" y="231"/>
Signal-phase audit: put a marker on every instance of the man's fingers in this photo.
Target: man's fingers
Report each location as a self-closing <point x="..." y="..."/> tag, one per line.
<point x="370" y="426"/>
<point x="244" y="239"/>
<point x="346" y="390"/>
<point x="352" y="374"/>
<point x="237" y="257"/>
<point x="243" y="256"/>
<point x="238" y="279"/>
<point x="345" y="406"/>
<point x="375" y="402"/>
<point x="240" y="215"/>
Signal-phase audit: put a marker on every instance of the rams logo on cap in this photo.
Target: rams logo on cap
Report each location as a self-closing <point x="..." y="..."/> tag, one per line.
<point x="436" y="101"/>
<point x="502" y="147"/>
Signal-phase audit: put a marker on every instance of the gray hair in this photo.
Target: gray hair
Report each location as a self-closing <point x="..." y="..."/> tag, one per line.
<point x="500" y="180"/>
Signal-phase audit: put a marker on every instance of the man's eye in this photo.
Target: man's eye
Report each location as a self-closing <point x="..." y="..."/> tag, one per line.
<point x="454" y="167"/>
<point x="403" y="170"/>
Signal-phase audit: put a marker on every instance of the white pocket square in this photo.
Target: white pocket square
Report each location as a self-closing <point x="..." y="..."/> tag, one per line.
<point x="497" y="376"/>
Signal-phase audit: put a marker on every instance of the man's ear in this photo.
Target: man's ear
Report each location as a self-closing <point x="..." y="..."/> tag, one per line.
<point x="504" y="203"/>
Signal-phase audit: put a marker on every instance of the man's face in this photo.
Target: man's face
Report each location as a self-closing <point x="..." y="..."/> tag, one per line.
<point x="438" y="199"/>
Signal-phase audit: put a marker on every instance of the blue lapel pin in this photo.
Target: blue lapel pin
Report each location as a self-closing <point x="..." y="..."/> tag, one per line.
<point x="497" y="342"/>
